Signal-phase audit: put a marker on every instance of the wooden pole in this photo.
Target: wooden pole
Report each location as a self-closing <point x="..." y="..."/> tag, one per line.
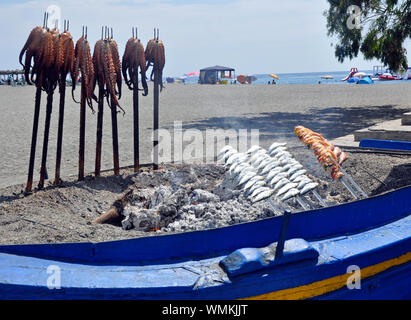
<point x="60" y="130"/>
<point x="136" y="125"/>
<point x="34" y="139"/>
<point x="43" y="170"/>
<point x="82" y="132"/>
<point x="156" y="120"/>
<point x="99" y="130"/>
<point x="115" y="137"/>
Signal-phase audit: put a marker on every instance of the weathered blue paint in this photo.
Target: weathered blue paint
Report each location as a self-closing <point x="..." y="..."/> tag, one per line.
<point x="343" y="219"/>
<point x="363" y="233"/>
<point x="385" y="144"/>
<point x="248" y="260"/>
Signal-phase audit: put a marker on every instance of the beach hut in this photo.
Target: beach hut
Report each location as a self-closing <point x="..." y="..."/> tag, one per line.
<point x="213" y="75"/>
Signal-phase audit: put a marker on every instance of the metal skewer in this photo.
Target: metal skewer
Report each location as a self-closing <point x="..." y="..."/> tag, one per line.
<point x="302" y="203"/>
<point x="347" y="185"/>
<point x="321" y="200"/>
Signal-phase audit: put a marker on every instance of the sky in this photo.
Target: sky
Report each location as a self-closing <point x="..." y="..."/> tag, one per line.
<point x="252" y="36"/>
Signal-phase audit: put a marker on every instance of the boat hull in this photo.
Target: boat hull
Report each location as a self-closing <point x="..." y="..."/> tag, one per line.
<point x="372" y="235"/>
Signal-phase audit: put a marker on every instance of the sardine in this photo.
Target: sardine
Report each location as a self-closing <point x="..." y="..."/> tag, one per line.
<point x="258" y="191"/>
<point x="273" y="173"/>
<point x="303" y="183"/>
<point x="263" y="195"/>
<point x="230" y="159"/>
<point x="301" y="178"/>
<point x="285" y="189"/>
<point x="253" y="181"/>
<point x="253" y="149"/>
<point x="243" y="179"/>
<point x="224" y="151"/>
<point x="309" y="187"/>
<point x="277" y="150"/>
<point x="269" y="167"/>
<point x="285" y="155"/>
<point x="256" y="185"/>
<point x="277" y="178"/>
<point x="281" y="184"/>
<point x="290" y="194"/>
<point x="298" y="173"/>
<point x="294" y="169"/>
<point x="276" y="145"/>
<point x="228" y="154"/>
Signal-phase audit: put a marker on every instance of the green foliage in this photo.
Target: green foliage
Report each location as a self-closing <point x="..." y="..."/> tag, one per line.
<point x="383" y="27"/>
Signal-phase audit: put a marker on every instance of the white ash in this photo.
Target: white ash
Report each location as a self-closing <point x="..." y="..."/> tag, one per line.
<point x="189" y="198"/>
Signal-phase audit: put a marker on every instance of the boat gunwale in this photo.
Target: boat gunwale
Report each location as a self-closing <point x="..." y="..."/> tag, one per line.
<point x="196" y="244"/>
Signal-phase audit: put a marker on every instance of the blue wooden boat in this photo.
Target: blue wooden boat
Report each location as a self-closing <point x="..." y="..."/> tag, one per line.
<point x="357" y="250"/>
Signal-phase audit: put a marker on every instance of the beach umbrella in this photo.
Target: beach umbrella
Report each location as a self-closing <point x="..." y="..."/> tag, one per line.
<point x="191" y="74"/>
<point x="272" y="75"/>
<point x="360" y="74"/>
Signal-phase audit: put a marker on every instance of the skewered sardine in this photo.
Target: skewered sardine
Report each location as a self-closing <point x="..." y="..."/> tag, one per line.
<point x="256" y="185"/>
<point x="253" y="181"/>
<point x="294" y="169"/>
<point x="277" y="178"/>
<point x="285" y="189"/>
<point x="258" y="191"/>
<point x="273" y="173"/>
<point x="281" y="184"/>
<point x="243" y="179"/>
<point x="263" y="195"/>
<point x="298" y="173"/>
<point x="309" y="187"/>
<point x="303" y="183"/>
<point x="276" y="145"/>
<point x="290" y="194"/>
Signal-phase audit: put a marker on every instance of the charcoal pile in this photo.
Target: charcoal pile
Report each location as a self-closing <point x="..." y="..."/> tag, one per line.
<point x="188" y="198"/>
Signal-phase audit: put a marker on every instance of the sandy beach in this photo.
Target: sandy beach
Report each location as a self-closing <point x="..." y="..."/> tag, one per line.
<point x="63" y="213"/>
<point x="334" y="110"/>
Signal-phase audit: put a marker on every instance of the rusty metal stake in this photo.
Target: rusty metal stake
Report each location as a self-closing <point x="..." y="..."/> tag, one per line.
<point x="115" y="137"/>
<point x="136" y="125"/>
<point x="34" y="139"/>
<point x="62" y="89"/>
<point x="49" y="108"/>
<point x="82" y="132"/>
<point x="99" y="130"/>
<point x="155" y="127"/>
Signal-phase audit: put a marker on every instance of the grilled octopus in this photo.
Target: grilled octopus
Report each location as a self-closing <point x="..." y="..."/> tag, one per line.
<point x="155" y="56"/>
<point x="106" y="61"/>
<point x="329" y="156"/>
<point x="84" y="65"/>
<point x="133" y="59"/>
<point x="65" y="56"/>
<point x="40" y="48"/>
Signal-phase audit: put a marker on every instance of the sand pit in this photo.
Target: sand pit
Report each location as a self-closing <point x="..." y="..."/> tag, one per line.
<point x="64" y="213"/>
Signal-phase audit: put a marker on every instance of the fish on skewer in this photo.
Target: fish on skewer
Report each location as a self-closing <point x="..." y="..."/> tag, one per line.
<point x="307" y="188"/>
<point x="294" y="169"/>
<point x="277" y="178"/>
<point x="290" y="194"/>
<point x="257" y="191"/>
<point x="224" y="150"/>
<point x="286" y="188"/>
<point x="256" y="185"/>
<point x="263" y="195"/>
<point x="298" y="173"/>
<point x="281" y="184"/>
<point x="276" y="145"/>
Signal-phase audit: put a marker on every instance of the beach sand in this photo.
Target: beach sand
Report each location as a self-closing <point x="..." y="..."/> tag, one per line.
<point x="63" y="214"/>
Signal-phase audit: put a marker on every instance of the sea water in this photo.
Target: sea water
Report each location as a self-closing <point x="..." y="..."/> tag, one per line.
<point x="303" y="78"/>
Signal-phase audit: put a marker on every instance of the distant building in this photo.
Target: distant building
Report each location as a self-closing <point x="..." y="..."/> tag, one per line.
<point x="213" y="75"/>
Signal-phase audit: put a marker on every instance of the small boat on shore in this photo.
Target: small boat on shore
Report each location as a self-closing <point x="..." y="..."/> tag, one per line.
<point x="356" y="250"/>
